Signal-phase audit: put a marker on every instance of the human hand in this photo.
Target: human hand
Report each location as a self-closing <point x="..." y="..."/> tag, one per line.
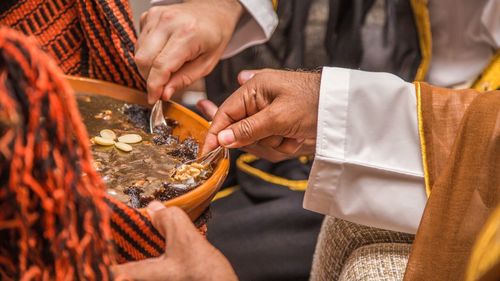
<point x="181" y="43"/>
<point x="273" y="115"/>
<point x="261" y="149"/>
<point x="188" y="255"/>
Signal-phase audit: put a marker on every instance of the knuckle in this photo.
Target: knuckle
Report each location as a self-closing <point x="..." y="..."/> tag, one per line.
<point x="152" y="88"/>
<point x="166" y="15"/>
<point x="152" y="84"/>
<point x="246" y="129"/>
<point x="189" y="27"/>
<point x="207" y="69"/>
<point x="186" y="80"/>
<point x="250" y="92"/>
<point x="158" y="62"/>
<point x="140" y="59"/>
<point x="154" y="9"/>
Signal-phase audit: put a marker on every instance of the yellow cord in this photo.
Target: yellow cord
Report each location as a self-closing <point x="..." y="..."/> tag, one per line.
<point x="423" y="147"/>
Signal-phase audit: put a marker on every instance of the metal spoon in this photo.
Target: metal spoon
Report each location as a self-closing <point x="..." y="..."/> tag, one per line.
<point x="156" y="118"/>
<point x="205" y="159"/>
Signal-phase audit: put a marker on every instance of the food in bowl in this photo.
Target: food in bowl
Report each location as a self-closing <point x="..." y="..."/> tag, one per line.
<point x="136" y="166"/>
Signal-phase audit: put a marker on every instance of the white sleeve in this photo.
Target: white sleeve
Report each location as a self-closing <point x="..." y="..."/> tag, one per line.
<point x="256" y="25"/>
<point x="368" y="165"/>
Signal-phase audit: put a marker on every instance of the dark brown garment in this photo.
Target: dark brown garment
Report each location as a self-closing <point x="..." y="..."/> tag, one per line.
<point x="461" y="134"/>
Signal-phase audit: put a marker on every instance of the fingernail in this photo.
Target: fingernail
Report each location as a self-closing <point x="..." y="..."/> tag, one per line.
<point x="226" y="137"/>
<point x="246" y="75"/>
<point x="154" y="206"/>
<point x="167" y="94"/>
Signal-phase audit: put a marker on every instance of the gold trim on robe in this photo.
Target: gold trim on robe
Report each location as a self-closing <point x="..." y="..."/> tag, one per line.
<point x="423" y="147"/>
<point x="490" y="79"/>
<point x="486" y="251"/>
<point x="422" y="20"/>
<point x="275" y="4"/>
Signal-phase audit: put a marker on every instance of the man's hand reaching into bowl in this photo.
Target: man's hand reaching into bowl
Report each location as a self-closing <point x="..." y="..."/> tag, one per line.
<point x="181" y="43"/>
<point x="272" y="115"/>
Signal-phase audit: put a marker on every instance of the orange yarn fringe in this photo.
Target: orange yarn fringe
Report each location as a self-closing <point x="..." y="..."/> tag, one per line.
<point x="54" y="223"/>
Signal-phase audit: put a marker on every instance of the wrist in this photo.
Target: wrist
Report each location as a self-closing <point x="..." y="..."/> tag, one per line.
<point x="232" y="11"/>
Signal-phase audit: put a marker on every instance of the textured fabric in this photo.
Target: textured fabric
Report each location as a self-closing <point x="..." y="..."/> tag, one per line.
<point x="385" y="41"/>
<point x="56" y="220"/>
<point x="338" y="241"/>
<point x="93" y="38"/>
<point x="465" y="189"/>
<point x="363" y="117"/>
<point x="285" y="49"/>
<point x="382" y="262"/>
<point x="54" y="224"/>
<point x="442" y="115"/>
<point x="262" y="228"/>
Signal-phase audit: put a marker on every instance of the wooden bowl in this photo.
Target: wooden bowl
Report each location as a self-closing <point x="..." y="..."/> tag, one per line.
<point x="197" y="200"/>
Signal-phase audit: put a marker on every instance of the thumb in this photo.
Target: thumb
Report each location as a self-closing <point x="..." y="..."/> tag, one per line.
<point x="247" y="131"/>
<point x="169" y="221"/>
<point x="207" y="108"/>
<point x="246" y="75"/>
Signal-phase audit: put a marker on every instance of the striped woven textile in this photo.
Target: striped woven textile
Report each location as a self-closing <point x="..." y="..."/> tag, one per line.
<point x="91" y="38"/>
<point x="56" y="222"/>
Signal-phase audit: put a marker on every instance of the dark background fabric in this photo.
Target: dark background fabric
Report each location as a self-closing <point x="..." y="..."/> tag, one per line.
<point x="371" y="35"/>
<point x="262" y="228"/>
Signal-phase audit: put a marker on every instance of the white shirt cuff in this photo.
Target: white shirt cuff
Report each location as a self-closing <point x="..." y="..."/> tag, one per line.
<point x="256" y="25"/>
<point x="368" y="166"/>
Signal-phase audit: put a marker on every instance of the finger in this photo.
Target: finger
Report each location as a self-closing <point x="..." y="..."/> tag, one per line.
<point x="143" y="20"/>
<point x="245" y="75"/>
<point x="272" y="141"/>
<point x="289" y="146"/>
<point x="174" y="60"/>
<point x="266" y="153"/>
<point x="147" y="23"/>
<point x="248" y="74"/>
<point x="196" y="68"/>
<point x="207" y="108"/>
<point x="242" y="103"/>
<point x="152" y="208"/>
<point x="247" y="131"/>
<point x="149" y="45"/>
<point x="170" y="221"/>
